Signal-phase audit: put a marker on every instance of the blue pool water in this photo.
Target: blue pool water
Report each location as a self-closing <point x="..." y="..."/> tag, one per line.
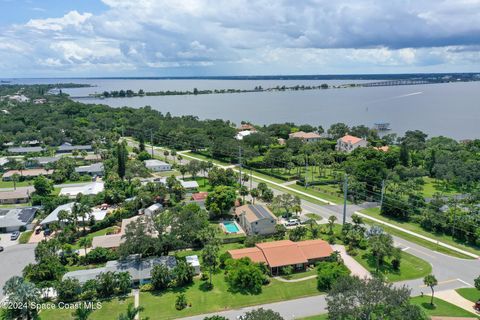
<point x="231" y="226"/>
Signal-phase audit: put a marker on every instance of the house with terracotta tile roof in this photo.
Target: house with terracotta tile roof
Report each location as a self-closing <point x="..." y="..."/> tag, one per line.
<point x="305" y="136"/>
<point x="279" y="254"/>
<point x="382" y="148"/>
<point x="349" y="143"/>
<point x="256" y="219"/>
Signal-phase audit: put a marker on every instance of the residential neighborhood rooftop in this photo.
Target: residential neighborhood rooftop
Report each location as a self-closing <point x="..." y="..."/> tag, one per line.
<point x="87" y="189"/>
<point x="255" y="212"/>
<point x="351" y="139"/>
<point x="16" y="216"/>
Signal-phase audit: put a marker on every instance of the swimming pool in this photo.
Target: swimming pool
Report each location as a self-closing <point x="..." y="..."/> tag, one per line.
<point x="231" y="226"/>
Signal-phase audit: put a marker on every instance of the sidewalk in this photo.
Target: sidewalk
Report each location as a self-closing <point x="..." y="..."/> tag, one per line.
<point x="454" y="298"/>
<point x="356" y="268"/>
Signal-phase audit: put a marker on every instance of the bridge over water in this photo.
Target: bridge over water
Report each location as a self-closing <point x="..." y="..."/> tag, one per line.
<point x="405" y="82"/>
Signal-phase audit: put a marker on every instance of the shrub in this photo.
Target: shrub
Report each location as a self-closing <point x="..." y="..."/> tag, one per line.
<point x="287" y="270"/>
<point x="396" y="264"/>
<point x="243" y="275"/>
<point x="328" y="273"/>
<point x="22" y="228"/>
<point x="146" y="287"/>
<point x="223" y="258"/>
<point x="181" y="302"/>
<point x="204" y="277"/>
<point x="100" y="255"/>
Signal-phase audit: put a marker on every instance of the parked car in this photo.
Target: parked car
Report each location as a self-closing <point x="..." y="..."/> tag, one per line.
<point x="47" y="232"/>
<point x="38" y="230"/>
<point x="14" y="235"/>
<point x="292" y="223"/>
<point x="1" y="248"/>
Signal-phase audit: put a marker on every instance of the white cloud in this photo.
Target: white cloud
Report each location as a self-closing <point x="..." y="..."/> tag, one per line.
<point x="249" y="36"/>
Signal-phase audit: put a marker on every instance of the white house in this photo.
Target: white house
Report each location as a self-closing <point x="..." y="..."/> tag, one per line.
<point x="349" y="143"/>
<point x="240" y="135"/>
<point x="14" y="219"/>
<point x="157" y="165"/>
<point x="96" y="212"/>
<point x="88" y="189"/>
<point x="154" y="208"/>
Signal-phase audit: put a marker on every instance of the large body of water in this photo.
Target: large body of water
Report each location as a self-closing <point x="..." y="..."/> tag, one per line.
<point x="449" y="109"/>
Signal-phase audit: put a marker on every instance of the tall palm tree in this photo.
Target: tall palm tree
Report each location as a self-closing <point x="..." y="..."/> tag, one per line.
<point x="81" y="210"/>
<point x="131" y="312"/>
<point x="15" y="179"/>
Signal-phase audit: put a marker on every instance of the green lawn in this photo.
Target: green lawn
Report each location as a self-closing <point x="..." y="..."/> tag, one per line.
<point x="111" y="309"/>
<point x="314" y="216"/>
<point x="220" y="298"/>
<point x="101" y="232"/>
<point x="303" y="274"/>
<point x="9" y="184"/>
<point x="375" y="212"/>
<point x="25" y="236"/>
<point x="411" y="267"/>
<point x="433" y="186"/>
<point x="440" y="308"/>
<point x="471" y="294"/>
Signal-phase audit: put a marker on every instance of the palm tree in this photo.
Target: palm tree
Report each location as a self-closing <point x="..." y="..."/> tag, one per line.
<point x="15" y="179"/>
<point x="174" y="155"/>
<point x="243" y="192"/>
<point x="430" y="281"/>
<point x="254" y="193"/>
<point x="82" y="312"/>
<point x="166" y="153"/>
<point x="131" y="312"/>
<point x="81" y="210"/>
<point x="85" y="242"/>
<point x="331" y="223"/>
<point x="63" y="215"/>
<point x="179" y="157"/>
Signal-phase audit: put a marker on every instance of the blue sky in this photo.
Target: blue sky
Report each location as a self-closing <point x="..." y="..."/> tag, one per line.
<point x="47" y="38"/>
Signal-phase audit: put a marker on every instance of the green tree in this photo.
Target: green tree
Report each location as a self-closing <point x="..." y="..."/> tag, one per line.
<point x="381" y="245"/>
<point x="23" y="294"/>
<point x="243" y="192"/>
<point x="220" y="200"/>
<point x="85" y="242"/>
<point x="404" y="156"/>
<point x="82" y="312"/>
<point x="68" y="290"/>
<point x="331" y="223"/>
<point x="183" y="273"/>
<point x="243" y="275"/>
<point x="430" y="281"/>
<point x="215" y="317"/>
<point x="122" y="156"/>
<point x="43" y="186"/>
<point x="131" y="312"/>
<point x="181" y="301"/>
<point x="355" y="298"/>
<point x="254" y="193"/>
<point x="160" y="277"/>
<point x="262" y="314"/>
<point x="209" y="257"/>
<point x="328" y="273"/>
<point x="15" y="179"/>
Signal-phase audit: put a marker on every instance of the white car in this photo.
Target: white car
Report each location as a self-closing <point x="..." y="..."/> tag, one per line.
<point x="292" y="223"/>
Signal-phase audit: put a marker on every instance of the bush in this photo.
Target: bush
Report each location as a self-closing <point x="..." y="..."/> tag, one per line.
<point x="100" y="255"/>
<point x="146" y="287"/>
<point x="250" y="241"/>
<point x="204" y="277"/>
<point x="68" y="290"/>
<point x="181" y="302"/>
<point x="243" y="275"/>
<point x="328" y="273"/>
<point x="22" y="228"/>
<point x="287" y="270"/>
<point x="223" y="258"/>
<point x="396" y="264"/>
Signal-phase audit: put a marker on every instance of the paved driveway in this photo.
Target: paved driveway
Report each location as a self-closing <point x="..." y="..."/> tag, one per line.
<point x="5" y="240"/>
<point x="13" y="260"/>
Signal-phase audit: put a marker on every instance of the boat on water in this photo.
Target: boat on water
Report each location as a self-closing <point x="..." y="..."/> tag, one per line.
<point x="382" y="126"/>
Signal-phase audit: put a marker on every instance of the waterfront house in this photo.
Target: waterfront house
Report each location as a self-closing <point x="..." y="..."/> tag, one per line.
<point x="256" y="219"/>
<point x="349" y="143"/>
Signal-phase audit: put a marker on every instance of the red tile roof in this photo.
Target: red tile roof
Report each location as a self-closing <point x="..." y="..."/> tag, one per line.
<point x="200" y="196"/>
<point x="255" y="254"/>
<point x="351" y="139"/>
<point x="285" y="252"/>
<point x="304" y="135"/>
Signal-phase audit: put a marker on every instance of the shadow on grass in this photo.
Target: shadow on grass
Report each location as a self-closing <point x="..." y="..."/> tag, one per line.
<point x="174" y="290"/>
<point x="385" y="268"/>
<point x="428" y="306"/>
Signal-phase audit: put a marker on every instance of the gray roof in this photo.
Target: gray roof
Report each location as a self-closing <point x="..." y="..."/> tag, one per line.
<point x="45" y="160"/>
<point x="53" y="216"/>
<point x="20" y="193"/>
<point x="260" y="211"/>
<point x="16" y="217"/>
<point x="93" y="168"/>
<point x="155" y="162"/>
<point x="138" y="269"/>
<point x="69" y="147"/>
<point x="25" y="149"/>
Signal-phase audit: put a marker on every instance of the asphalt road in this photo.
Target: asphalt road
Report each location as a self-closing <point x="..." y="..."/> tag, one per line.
<point x="12" y="261"/>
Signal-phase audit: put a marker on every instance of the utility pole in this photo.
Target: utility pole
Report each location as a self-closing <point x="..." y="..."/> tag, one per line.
<point x="383" y="193"/>
<point x="240" y="163"/>
<point x="454" y="217"/>
<point x="345" y="193"/>
<point x="251" y="179"/>
<point x="151" y="141"/>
